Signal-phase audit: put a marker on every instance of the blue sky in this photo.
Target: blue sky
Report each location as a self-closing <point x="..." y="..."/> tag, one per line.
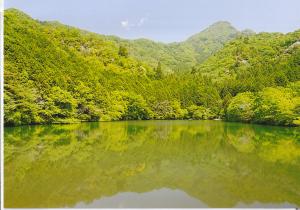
<point x="164" y="20"/>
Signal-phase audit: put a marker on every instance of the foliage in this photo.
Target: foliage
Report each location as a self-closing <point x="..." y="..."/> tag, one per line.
<point x="60" y="74"/>
<point x="241" y="107"/>
<point x="200" y="113"/>
<point x="123" y="51"/>
<point x="275" y="106"/>
<point x="127" y="106"/>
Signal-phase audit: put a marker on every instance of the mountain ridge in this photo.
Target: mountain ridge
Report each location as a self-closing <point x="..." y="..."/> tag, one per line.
<point x="178" y="56"/>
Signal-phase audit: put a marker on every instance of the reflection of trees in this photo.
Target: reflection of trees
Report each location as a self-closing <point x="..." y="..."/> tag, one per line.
<point x="219" y="163"/>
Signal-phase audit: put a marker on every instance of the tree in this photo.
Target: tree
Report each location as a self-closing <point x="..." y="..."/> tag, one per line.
<point x="199" y="113"/>
<point x="194" y="70"/>
<point x="276" y="106"/>
<point x="137" y="109"/>
<point x="241" y="108"/>
<point x="123" y="51"/>
<point x="158" y="71"/>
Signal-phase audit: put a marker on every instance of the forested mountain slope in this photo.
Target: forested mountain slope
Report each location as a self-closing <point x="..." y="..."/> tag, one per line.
<point x="251" y="64"/>
<point x="57" y="74"/>
<point x="181" y="56"/>
<point x="265" y="59"/>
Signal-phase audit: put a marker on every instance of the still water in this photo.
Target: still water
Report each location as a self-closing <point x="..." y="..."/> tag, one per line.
<point x="152" y="164"/>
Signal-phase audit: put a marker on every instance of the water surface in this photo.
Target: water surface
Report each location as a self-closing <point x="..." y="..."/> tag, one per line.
<point x="152" y="164"/>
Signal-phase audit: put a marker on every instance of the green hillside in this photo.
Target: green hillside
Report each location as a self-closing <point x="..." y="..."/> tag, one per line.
<point x="251" y="64"/>
<point x="181" y="56"/>
<point x="211" y="39"/>
<point x="269" y="59"/>
<point x="60" y="74"/>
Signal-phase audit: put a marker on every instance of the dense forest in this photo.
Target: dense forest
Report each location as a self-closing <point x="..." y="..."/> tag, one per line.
<point x="60" y="74"/>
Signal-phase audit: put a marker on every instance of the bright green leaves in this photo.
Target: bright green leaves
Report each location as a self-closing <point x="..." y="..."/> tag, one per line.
<point x="64" y="101"/>
<point x="241" y="107"/>
<point x="21" y="105"/>
<point x="125" y="106"/>
<point x="200" y="113"/>
<point x="123" y="51"/>
<point x="276" y="106"/>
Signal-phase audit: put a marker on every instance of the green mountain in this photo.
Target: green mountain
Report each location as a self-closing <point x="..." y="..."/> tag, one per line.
<point x="181" y="56"/>
<point x="256" y="61"/>
<point x="59" y="74"/>
<point x="211" y="39"/>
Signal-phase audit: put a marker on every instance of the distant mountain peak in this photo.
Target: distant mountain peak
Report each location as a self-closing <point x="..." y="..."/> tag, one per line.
<point x="221" y="26"/>
<point x="15" y="11"/>
<point x="217" y="29"/>
<point x="221" y="23"/>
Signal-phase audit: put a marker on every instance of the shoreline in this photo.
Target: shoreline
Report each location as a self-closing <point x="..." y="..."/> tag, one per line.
<point x="79" y="122"/>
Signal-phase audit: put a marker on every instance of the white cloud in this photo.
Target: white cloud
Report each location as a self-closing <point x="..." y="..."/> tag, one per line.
<point x="141" y="21"/>
<point x="125" y="23"/>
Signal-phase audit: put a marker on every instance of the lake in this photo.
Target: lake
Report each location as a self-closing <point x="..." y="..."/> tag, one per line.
<point x="152" y="164"/>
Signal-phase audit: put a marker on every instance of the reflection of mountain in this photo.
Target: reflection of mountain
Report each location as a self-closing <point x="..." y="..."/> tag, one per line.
<point x="221" y="164"/>
<point x="162" y="198"/>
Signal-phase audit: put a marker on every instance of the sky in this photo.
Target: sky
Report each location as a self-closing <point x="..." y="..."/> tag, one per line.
<point x="164" y="20"/>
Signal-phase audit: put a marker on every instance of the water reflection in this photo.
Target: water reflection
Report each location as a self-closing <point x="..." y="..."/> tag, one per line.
<point x="162" y="198"/>
<point x="218" y="164"/>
